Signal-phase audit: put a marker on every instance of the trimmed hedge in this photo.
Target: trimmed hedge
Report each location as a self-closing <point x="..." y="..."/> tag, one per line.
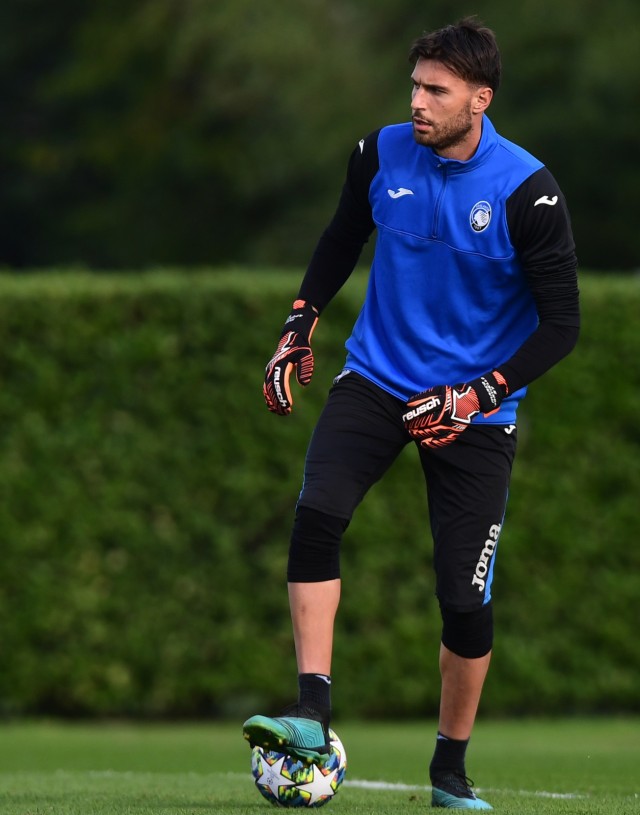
<point x="146" y="497"/>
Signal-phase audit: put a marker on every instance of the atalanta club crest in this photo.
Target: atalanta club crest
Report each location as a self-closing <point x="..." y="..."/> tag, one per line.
<point x="480" y="216"/>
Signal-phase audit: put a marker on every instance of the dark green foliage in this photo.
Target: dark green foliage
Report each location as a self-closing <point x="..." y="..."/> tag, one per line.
<point x="146" y="497"/>
<point x="187" y="132"/>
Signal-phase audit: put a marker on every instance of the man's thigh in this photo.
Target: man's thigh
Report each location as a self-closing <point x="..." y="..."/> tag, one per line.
<point x="467" y="486"/>
<point x="358" y="436"/>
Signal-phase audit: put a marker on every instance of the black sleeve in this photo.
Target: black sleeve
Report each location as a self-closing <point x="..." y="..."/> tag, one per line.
<point x="540" y="230"/>
<point x="341" y="243"/>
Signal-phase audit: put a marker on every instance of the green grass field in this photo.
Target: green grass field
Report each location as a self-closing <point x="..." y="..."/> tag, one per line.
<point x="523" y="767"/>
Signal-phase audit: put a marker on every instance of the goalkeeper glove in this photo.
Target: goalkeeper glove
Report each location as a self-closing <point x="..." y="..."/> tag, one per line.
<point x="293" y="351"/>
<point x="437" y="416"/>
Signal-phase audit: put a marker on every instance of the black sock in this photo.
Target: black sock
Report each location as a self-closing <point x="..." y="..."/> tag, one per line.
<point x="448" y="756"/>
<point x="314" y="692"/>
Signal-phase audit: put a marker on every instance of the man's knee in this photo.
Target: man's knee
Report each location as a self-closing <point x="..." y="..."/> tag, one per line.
<point x="468" y="634"/>
<point x="314" y="551"/>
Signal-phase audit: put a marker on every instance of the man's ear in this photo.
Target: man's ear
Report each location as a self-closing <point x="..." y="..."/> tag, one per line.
<point x="481" y="100"/>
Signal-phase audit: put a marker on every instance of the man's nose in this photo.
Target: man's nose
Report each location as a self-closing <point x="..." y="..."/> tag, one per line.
<point x="418" y="100"/>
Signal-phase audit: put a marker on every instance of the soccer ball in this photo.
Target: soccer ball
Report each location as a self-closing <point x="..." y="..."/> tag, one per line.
<point x="286" y="781"/>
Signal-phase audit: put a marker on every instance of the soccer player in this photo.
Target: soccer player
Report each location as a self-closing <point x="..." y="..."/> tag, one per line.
<point x="472" y="295"/>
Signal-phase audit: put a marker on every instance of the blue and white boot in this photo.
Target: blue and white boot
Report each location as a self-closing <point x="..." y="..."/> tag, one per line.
<point x="453" y="791"/>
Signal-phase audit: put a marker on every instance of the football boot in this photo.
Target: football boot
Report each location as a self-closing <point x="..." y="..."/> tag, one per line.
<point x="453" y="791"/>
<point x="298" y="732"/>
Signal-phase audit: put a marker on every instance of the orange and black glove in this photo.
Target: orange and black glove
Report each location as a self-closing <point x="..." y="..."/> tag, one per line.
<point x="437" y="416"/>
<point x="293" y="351"/>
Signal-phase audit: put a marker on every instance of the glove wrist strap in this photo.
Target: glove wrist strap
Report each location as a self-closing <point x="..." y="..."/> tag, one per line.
<point x="302" y="319"/>
<point x="491" y="389"/>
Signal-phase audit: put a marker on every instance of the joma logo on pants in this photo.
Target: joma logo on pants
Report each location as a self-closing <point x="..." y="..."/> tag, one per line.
<point x="482" y="566"/>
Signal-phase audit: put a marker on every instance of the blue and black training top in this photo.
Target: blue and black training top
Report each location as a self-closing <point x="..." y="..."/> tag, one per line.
<point x="474" y="266"/>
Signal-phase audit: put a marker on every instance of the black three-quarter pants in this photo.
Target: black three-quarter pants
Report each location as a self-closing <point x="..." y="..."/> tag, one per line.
<point x="358" y="436"/>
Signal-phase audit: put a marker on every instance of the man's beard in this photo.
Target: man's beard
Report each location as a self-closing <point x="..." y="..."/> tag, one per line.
<point x="448" y="134"/>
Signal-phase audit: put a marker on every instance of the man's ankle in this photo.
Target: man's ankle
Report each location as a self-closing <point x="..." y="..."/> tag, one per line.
<point x="448" y="757"/>
<point x="314" y="696"/>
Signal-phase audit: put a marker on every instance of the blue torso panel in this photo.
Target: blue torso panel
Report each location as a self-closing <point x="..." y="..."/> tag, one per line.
<point x="447" y="299"/>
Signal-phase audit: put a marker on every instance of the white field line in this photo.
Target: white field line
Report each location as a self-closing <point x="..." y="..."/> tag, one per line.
<point x="348" y="782"/>
<point x="355" y="782"/>
<point x="386" y="785"/>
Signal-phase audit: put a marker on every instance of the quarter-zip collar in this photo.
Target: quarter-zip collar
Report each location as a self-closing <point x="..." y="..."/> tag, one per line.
<point x="487" y="144"/>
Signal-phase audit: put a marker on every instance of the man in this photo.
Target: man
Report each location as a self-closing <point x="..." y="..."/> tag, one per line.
<point x="472" y="295"/>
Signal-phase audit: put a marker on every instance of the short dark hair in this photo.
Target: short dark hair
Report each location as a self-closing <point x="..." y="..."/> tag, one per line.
<point x="468" y="49"/>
